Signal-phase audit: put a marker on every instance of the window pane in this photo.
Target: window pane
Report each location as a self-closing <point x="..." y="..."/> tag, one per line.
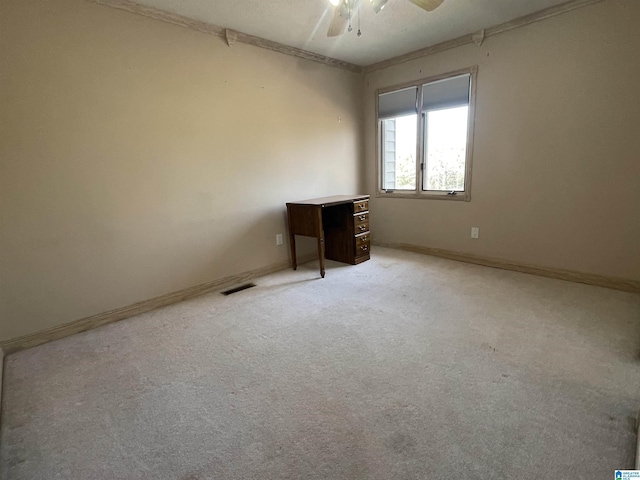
<point x="446" y="148"/>
<point x="399" y="153"/>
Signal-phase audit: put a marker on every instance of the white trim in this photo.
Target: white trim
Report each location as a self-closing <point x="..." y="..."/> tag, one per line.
<point x="638" y="441"/>
<point x="623" y="284"/>
<point x="488" y="32"/>
<point x="65" y="330"/>
<point x="225" y="34"/>
<point x="216" y="30"/>
<point x="1" y="382"/>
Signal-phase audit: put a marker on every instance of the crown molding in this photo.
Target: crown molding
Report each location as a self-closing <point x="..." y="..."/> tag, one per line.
<point x="488" y="32"/>
<point x="204" y="27"/>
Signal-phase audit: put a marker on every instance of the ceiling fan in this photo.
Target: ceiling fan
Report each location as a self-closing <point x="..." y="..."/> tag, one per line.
<point x="345" y="9"/>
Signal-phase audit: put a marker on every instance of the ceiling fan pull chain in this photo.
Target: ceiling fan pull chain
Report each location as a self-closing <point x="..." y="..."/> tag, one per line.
<point x="343" y="11"/>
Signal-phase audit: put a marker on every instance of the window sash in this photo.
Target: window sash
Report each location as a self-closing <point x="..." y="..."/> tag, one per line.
<point x="425" y="150"/>
<point x="391" y="166"/>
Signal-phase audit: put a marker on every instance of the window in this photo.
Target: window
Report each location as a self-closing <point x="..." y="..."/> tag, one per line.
<point x="425" y="132"/>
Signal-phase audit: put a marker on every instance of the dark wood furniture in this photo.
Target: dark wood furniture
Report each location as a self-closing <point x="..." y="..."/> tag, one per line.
<point x="340" y="223"/>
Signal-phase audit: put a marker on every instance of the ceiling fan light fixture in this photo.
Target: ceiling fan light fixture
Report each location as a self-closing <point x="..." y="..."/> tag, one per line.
<point x="378" y="4"/>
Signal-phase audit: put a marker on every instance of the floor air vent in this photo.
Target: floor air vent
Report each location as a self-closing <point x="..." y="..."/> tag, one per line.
<point x="238" y="289"/>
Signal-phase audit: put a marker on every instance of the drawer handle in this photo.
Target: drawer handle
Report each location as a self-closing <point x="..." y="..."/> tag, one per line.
<point x="364" y="248"/>
<point x="361" y="206"/>
<point x="362" y="228"/>
<point x="363" y="238"/>
<point x="362" y="218"/>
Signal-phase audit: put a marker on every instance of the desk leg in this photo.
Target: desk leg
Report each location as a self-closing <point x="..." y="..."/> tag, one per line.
<point x="292" y="240"/>
<point x="320" y="240"/>
<point x="292" y="246"/>
<point x="321" y="254"/>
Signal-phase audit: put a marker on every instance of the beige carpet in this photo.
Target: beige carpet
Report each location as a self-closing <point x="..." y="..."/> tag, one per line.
<point x="403" y="367"/>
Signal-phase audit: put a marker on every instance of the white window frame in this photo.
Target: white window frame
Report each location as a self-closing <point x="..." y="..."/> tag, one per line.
<point x="419" y="193"/>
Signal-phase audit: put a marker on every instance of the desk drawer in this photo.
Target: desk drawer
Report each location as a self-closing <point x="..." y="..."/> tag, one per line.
<point x="361" y="206"/>
<point x="360" y="218"/>
<point x="363" y="238"/>
<point x="362" y="248"/>
<point x="361" y="228"/>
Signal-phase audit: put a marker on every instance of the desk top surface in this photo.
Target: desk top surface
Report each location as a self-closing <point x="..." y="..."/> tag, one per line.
<point x="333" y="200"/>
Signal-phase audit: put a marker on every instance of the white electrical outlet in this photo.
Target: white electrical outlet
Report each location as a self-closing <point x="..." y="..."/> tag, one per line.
<point x="279" y="239"/>
<point x="475" y="232"/>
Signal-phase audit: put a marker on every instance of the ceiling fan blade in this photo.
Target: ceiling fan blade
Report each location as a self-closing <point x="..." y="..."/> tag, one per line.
<point x="338" y="23"/>
<point x="378" y="4"/>
<point x="427" y="5"/>
<point x="340" y="18"/>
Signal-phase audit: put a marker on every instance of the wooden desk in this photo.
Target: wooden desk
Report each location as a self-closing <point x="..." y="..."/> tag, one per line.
<point x="340" y="223"/>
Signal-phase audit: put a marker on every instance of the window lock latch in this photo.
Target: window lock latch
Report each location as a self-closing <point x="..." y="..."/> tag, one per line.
<point x="452" y="192"/>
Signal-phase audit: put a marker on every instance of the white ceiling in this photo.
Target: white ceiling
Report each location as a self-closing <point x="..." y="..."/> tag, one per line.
<point x="399" y="28"/>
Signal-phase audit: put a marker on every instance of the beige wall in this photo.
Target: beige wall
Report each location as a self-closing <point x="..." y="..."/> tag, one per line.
<point x="138" y="158"/>
<point x="556" y="166"/>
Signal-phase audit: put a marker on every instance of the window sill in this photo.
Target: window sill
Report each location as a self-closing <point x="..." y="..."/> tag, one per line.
<point x="460" y="197"/>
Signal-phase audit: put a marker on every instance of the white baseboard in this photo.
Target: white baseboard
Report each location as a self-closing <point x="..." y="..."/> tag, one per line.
<point x="624" y="284"/>
<point x="1" y="382"/>
<point x="638" y="441"/>
<point x="94" y="321"/>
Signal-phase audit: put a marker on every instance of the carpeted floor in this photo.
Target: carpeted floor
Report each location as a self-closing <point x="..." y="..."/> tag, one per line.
<point x="403" y="367"/>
